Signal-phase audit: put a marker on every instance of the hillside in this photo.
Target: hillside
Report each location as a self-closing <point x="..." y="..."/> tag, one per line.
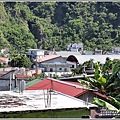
<point x="49" y="25"/>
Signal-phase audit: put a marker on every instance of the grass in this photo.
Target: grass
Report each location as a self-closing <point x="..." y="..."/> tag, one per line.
<point x="48" y="114"/>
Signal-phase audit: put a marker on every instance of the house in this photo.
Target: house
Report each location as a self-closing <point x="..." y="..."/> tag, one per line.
<point x="4" y="60"/>
<point x="116" y="50"/>
<point x="10" y="77"/>
<point x="34" y="54"/>
<point x="73" y="89"/>
<point x="54" y="65"/>
<point x="5" y="52"/>
<point x="97" y="52"/>
<point x="75" y="47"/>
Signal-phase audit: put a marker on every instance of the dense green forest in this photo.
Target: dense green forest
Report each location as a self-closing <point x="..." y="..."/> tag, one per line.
<point x="48" y="25"/>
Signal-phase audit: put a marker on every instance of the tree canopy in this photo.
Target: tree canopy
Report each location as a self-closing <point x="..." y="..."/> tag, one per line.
<point x="49" y="25"/>
<point x="20" y="61"/>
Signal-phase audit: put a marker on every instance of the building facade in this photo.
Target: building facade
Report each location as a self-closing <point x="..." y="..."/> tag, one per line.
<point x="34" y="54"/>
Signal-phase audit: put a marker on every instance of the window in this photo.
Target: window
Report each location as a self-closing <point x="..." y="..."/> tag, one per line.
<point x="60" y="68"/>
<point x="51" y="70"/>
<point x="72" y="66"/>
<point x="65" y="69"/>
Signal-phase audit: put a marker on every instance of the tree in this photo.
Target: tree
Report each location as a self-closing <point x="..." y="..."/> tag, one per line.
<point x="20" y="61"/>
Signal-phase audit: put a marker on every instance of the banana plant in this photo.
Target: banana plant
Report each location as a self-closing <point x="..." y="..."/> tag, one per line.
<point x="114" y="102"/>
<point x="102" y="103"/>
<point x="97" y="82"/>
<point x="113" y="80"/>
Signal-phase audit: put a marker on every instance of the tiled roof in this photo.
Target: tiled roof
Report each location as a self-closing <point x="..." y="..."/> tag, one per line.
<point x="2" y="59"/>
<point x="47" y="57"/>
<point x="20" y="76"/>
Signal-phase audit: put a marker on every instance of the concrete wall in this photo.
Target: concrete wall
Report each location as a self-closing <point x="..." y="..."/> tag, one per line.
<point x="88" y="97"/>
<point x="58" y="69"/>
<point x="5" y="84"/>
<point x="9" y="75"/>
<point x="53" y="74"/>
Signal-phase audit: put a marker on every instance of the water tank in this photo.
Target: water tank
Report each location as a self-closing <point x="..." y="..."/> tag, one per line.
<point x="22" y="85"/>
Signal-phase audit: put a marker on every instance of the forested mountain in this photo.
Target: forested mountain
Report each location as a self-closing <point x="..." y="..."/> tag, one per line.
<point x="49" y="25"/>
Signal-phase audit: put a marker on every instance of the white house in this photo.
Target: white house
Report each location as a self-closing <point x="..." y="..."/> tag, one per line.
<point x="34" y="54"/>
<point x="116" y="50"/>
<point x="76" y="47"/>
<point x="55" y="65"/>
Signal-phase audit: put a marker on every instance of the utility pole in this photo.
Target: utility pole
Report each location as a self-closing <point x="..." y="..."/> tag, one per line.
<point x="10" y="81"/>
<point x="84" y="69"/>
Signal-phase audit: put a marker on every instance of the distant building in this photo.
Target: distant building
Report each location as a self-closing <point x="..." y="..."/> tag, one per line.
<point x="80" y="59"/>
<point x="116" y="50"/>
<point x="4" y="60"/>
<point x="15" y="75"/>
<point x="55" y="65"/>
<point x="5" y="52"/>
<point x="34" y="54"/>
<point x="76" y="47"/>
<point x="97" y="52"/>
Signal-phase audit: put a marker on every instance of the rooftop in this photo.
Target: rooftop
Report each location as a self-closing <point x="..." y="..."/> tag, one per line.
<point x="38" y="100"/>
<point x="47" y="57"/>
<point x="73" y="89"/>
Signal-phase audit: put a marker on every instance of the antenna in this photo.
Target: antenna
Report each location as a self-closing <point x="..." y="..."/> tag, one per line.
<point x="51" y="85"/>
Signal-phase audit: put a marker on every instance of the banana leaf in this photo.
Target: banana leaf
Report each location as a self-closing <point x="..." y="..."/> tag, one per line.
<point x="92" y="80"/>
<point x="104" y="104"/>
<point x="114" y="100"/>
<point x="85" y="83"/>
<point x="118" y="97"/>
<point x="115" y="68"/>
<point x="112" y="84"/>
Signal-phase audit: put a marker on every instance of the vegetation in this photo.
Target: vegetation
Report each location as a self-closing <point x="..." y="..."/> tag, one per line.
<point x="107" y="81"/>
<point x="49" y="25"/>
<point x="2" y="65"/>
<point x="49" y="114"/>
<point x="20" y="61"/>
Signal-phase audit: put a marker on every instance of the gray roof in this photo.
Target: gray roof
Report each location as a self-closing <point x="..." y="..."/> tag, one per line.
<point x="65" y="54"/>
<point x="96" y="58"/>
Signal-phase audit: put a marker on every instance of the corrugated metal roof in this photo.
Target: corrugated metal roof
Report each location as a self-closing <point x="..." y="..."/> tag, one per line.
<point x="73" y="89"/>
<point x="96" y="58"/>
<point x="60" y="86"/>
<point x="65" y="54"/>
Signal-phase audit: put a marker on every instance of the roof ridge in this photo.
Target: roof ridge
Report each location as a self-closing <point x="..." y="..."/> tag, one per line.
<point x="71" y="84"/>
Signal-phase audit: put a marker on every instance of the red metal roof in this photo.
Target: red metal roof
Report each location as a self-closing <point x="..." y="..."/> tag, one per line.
<point x="103" y="96"/>
<point x="47" y="57"/>
<point x="73" y="89"/>
<point x="60" y="86"/>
